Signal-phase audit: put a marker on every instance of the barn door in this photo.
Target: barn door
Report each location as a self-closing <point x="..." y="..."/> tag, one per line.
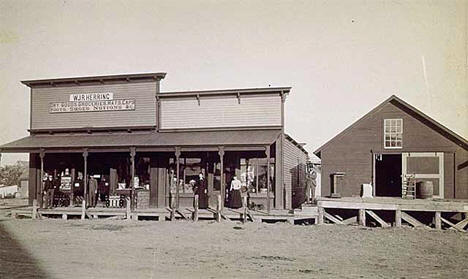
<point x="425" y="166"/>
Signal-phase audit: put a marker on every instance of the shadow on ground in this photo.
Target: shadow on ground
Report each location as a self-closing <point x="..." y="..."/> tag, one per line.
<point x="16" y="262"/>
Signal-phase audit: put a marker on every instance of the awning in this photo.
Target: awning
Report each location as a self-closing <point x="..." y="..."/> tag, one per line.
<point x="34" y="143"/>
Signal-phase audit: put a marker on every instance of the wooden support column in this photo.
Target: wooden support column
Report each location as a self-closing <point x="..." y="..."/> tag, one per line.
<point x="362" y="217"/>
<point x="34" y="209"/>
<point x="398" y="218"/>
<point x="321" y="214"/>
<point x="438" y="221"/>
<point x="195" y="209"/>
<point x="41" y="185"/>
<point x="85" y="176"/>
<point x="177" y="154"/>
<point x="132" y="172"/>
<point x="222" y="188"/>
<point x="267" y="153"/>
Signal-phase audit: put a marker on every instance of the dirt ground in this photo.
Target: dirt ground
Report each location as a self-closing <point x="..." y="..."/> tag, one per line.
<point x="147" y="249"/>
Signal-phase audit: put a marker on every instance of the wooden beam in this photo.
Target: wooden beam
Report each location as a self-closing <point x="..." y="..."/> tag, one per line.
<point x="362" y="217"/>
<point x="398" y="218"/>
<point x="85" y="178"/>
<point x="452" y="225"/>
<point x="411" y="220"/>
<point x="462" y="224"/>
<point x="267" y="151"/>
<point x="378" y="219"/>
<point x="40" y="195"/>
<point x="438" y="223"/>
<point x="221" y="159"/>
<point x="218" y="209"/>
<point x="333" y="218"/>
<point x="349" y="221"/>
<point x="195" y="208"/>
<point x="321" y="213"/>
<point x="132" y="172"/>
<point x="177" y="155"/>
<point x="34" y="209"/>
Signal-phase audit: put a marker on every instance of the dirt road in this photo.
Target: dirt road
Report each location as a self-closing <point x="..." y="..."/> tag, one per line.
<point x="145" y="249"/>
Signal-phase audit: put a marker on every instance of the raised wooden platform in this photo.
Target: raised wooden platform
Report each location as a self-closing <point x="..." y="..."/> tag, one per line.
<point x="447" y="213"/>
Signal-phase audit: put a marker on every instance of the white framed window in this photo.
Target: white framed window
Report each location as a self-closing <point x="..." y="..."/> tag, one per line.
<point x="393" y="133"/>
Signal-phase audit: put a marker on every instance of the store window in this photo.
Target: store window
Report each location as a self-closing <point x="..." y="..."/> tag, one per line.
<point x="393" y="133"/>
<point x="189" y="169"/>
<point x="254" y="173"/>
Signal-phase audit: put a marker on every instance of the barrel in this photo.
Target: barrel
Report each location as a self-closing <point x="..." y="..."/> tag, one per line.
<point x="425" y="189"/>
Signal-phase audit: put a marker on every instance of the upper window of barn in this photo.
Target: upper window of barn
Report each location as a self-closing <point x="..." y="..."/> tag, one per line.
<point x="393" y="133"/>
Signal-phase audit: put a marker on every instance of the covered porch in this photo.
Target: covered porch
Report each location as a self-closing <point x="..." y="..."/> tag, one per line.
<point x="152" y="171"/>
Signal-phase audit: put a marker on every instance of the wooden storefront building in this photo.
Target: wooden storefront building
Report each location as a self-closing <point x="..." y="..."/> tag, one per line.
<point x="151" y="145"/>
<point x="392" y="142"/>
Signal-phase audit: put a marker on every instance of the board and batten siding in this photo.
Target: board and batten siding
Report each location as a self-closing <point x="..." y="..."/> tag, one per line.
<point x="294" y="174"/>
<point x="144" y="94"/>
<point x="352" y="152"/>
<point x="220" y="112"/>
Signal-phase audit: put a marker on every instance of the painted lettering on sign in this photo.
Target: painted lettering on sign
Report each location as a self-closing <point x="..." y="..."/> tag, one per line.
<point x="92" y="106"/>
<point x="92" y="97"/>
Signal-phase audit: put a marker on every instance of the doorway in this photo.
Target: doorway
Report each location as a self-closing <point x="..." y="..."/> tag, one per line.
<point x="388" y="175"/>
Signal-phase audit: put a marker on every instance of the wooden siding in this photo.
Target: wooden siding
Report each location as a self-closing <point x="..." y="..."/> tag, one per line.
<point x="221" y="112"/>
<point x="143" y="115"/>
<point x="294" y="171"/>
<point x="352" y="152"/>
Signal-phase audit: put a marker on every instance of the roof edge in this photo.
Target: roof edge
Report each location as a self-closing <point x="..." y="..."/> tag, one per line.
<point x="393" y="98"/>
<point x="226" y="91"/>
<point x="120" y="77"/>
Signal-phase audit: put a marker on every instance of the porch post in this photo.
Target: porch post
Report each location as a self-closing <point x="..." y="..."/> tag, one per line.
<point x="221" y="175"/>
<point x="85" y="173"/>
<point x="267" y="152"/>
<point x="177" y="154"/>
<point x="132" y="173"/>
<point x="41" y="186"/>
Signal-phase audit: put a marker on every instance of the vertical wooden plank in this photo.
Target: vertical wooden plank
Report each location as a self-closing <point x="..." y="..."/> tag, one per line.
<point x="177" y="154"/>
<point x="438" y="221"/>
<point x="64" y="216"/>
<point x="245" y="208"/>
<point x="267" y="151"/>
<point x="41" y="188"/>
<point x="128" y="209"/>
<point x="321" y="213"/>
<point x="132" y="182"/>
<point x="279" y="174"/>
<point x="85" y="175"/>
<point x="154" y="187"/>
<point x="440" y="155"/>
<point x="362" y="217"/>
<point x="34" y="209"/>
<point x="32" y="184"/>
<point x="195" y="208"/>
<point x="83" y="209"/>
<point x="222" y="186"/>
<point x="218" y="209"/>
<point x="398" y="218"/>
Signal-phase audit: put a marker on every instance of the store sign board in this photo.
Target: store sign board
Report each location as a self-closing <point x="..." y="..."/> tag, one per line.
<point x="92" y="102"/>
<point x="92" y="97"/>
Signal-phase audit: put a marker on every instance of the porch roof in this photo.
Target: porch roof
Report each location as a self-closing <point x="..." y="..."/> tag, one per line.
<point x="34" y="143"/>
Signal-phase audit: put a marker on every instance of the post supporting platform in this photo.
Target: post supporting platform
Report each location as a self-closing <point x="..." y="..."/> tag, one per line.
<point x="195" y="209"/>
<point x="34" y="209"/>
<point x="362" y="217"/>
<point x="218" y="209"/>
<point x="438" y="221"/>
<point x="83" y="210"/>
<point x="398" y="218"/>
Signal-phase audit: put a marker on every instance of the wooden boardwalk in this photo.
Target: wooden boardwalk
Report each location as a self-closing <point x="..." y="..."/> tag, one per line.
<point x="451" y="214"/>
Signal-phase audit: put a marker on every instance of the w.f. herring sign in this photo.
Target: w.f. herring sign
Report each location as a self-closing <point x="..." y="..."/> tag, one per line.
<point x="92" y="102"/>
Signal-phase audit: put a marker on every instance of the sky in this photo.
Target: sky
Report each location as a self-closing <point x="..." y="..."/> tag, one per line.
<point x="341" y="58"/>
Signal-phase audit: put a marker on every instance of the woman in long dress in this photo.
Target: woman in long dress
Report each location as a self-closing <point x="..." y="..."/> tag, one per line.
<point x="236" y="200"/>
<point x="202" y="191"/>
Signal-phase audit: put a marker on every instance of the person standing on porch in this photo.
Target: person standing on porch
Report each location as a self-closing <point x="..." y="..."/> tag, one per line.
<point x="202" y="191"/>
<point x="49" y="191"/>
<point x="92" y="191"/>
<point x="235" y="199"/>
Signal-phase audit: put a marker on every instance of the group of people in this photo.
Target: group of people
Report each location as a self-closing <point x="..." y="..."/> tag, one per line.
<point x="233" y="197"/>
<point x="54" y="185"/>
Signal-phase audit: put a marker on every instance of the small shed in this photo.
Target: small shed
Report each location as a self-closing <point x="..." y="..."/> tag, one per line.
<point x="391" y="142"/>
